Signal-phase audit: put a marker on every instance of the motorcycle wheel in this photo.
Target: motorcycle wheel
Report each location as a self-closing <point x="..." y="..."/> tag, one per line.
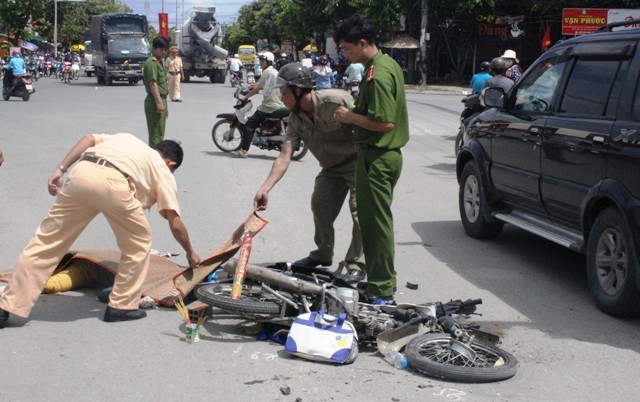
<point x="5" y="97"/>
<point x="252" y="300"/>
<point x="25" y="97"/>
<point x="441" y="356"/>
<point x="226" y="138"/>
<point x="301" y="152"/>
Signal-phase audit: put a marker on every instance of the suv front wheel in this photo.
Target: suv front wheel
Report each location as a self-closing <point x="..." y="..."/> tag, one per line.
<point x="611" y="266"/>
<point x="473" y="205"/>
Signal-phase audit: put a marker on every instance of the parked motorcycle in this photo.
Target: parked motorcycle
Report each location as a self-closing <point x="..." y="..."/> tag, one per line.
<point x="21" y="88"/>
<point x="436" y="343"/>
<point x="472" y="107"/>
<point x="227" y="132"/>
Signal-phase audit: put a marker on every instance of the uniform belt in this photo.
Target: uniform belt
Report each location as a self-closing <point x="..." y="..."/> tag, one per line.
<point x="99" y="161"/>
<point x="364" y="145"/>
<point x="173" y="72"/>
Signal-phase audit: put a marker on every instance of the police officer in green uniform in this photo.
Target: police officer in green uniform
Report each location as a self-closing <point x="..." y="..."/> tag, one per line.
<point x="156" y="84"/>
<point x="332" y="144"/>
<point x="381" y="128"/>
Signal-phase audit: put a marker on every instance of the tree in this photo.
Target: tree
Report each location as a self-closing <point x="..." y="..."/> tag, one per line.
<point x="15" y="15"/>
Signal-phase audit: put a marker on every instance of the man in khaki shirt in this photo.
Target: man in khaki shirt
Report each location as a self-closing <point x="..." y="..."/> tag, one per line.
<point x="332" y="144"/>
<point x="173" y="66"/>
<point x="118" y="176"/>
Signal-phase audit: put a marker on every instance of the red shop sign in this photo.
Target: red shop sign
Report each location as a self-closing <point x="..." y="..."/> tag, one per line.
<point x="580" y="21"/>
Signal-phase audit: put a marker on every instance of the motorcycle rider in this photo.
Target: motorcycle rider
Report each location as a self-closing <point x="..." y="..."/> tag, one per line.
<point x="354" y="73"/>
<point x="498" y="69"/>
<point x="478" y="79"/>
<point x="15" y="67"/>
<point x="307" y="62"/>
<point x="321" y="73"/>
<point x="270" y="102"/>
<point x="235" y="65"/>
<point x="332" y="144"/>
<point x="282" y="61"/>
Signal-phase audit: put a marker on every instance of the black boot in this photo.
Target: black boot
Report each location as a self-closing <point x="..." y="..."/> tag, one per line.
<point x="114" y="314"/>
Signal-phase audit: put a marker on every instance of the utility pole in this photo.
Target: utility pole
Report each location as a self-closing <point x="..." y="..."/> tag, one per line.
<point x="424" y="37"/>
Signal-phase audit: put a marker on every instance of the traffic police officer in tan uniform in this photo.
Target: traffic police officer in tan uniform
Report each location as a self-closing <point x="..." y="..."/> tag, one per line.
<point x="116" y="175"/>
<point x="173" y="66"/>
<point x="332" y="144"/>
<point x="155" y="82"/>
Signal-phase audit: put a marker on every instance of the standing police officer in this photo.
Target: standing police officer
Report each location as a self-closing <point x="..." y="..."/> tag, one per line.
<point x="155" y="82"/>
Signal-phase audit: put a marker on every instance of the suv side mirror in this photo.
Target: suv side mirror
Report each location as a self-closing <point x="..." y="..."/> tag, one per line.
<point x="492" y="97"/>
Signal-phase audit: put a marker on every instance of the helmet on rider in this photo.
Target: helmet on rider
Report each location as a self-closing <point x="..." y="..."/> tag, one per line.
<point x="298" y="79"/>
<point x="324" y="60"/>
<point x="294" y="74"/>
<point x="498" y="65"/>
<point x="268" y="56"/>
<point x="484" y="66"/>
<point x="15" y="52"/>
<point x="283" y="55"/>
<point x="235" y="56"/>
<point x="307" y="53"/>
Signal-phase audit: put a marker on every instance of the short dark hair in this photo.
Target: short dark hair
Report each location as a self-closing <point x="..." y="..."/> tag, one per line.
<point x="172" y="150"/>
<point x="160" y="42"/>
<point x="353" y="29"/>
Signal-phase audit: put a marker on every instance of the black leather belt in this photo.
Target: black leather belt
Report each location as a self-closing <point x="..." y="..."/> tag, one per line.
<point x="364" y="145"/>
<point x="99" y="161"/>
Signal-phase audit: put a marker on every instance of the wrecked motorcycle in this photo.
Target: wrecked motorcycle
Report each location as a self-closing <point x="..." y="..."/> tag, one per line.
<point x="436" y="343"/>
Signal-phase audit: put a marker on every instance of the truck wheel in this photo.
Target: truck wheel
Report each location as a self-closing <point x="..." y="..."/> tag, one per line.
<point x="612" y="266"/>
<point x="109" y="81"/>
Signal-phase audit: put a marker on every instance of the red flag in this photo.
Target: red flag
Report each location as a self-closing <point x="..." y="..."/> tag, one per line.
<point x="546" y="39"/>
<point x="163" y="20"/>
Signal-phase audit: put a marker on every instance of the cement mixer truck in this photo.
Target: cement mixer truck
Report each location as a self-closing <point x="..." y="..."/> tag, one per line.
<point x="199" y="47"/>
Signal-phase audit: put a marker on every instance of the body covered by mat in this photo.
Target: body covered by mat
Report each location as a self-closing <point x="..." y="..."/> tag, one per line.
<point x="165" y="281"/>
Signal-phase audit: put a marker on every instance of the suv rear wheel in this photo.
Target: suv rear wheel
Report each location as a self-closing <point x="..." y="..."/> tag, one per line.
<point x="611" y="265"/>
<point x="473" y="206"/>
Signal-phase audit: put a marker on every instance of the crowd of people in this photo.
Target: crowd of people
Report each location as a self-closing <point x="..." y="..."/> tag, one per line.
<point x="357" y="142"/>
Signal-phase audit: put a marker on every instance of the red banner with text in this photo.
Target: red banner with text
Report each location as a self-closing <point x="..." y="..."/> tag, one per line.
<point x="581" y="21"/>
<point x="163" y="20"/>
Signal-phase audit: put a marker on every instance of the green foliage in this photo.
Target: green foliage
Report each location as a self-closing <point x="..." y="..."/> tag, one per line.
<point x="14" y="16"/>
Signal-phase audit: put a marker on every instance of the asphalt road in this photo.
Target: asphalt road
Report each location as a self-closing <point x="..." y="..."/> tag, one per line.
<point x="535" y="293"/>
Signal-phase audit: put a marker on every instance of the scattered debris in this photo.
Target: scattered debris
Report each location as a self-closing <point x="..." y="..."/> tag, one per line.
<point x="412" y="286"/>
<point x="285" y="390"/>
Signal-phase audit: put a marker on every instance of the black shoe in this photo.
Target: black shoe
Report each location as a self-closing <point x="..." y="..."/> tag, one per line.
<point x="4" y="318"/>
<point x="178" y="100"/>
<point x="310" y="262"/>
<point x="353" y="276"/>
<point x="113" y="314"/>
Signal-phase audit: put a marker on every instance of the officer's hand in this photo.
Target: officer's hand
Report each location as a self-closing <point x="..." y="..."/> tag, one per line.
<point x="342" y="114"/>
<point x="260" y="201"/>
<point x="193" y="259"/>
<point x="159" y="108"/>
<point x="55" y="182"/>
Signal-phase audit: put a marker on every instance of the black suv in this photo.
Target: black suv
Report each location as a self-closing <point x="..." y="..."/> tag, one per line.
<point x="559" y="156"/>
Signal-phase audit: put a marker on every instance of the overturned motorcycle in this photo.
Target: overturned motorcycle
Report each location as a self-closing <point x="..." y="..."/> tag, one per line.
<point x="227" y="132"/>
<point x="436" y="343"/>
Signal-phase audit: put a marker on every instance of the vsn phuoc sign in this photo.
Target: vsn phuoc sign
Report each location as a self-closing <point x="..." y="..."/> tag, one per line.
<point x="581" y="21"/>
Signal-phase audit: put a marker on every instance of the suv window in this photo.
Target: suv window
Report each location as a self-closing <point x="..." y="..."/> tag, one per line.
<point x="589" y="86"/>
<point x="535" y="92"/>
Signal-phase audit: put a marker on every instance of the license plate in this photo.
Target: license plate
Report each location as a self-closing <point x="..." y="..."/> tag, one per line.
<point x="129" y="72"/>
<point x="29" y="87"/>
